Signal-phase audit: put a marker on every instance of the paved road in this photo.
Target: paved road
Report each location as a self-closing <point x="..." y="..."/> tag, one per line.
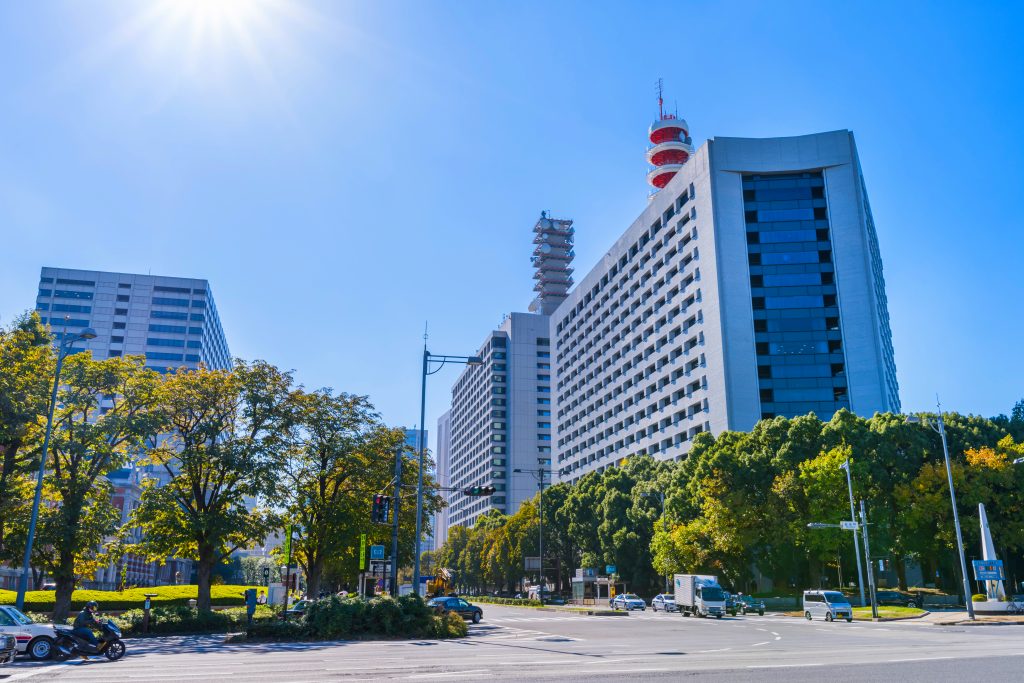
<point x="524" y="644"/>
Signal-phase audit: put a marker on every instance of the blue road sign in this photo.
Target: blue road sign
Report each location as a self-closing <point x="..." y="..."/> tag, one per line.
<point x="988" y="570"/>
<point x="376" y="552"/>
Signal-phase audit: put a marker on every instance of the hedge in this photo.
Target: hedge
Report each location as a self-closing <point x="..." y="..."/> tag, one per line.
<point x="520" y="602"/>
<point x="335" y="618"/>
<point x="43" y="601"/>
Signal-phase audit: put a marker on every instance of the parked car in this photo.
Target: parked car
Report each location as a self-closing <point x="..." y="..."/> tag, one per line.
<point x="554" y="599"/>
<point x="829" y="605"/>
<point x="8" y="648"/>
<point x="628" y="602"/>
<point x="666" y="602"/>
<point x="748" y="603"/>
<point x="459" y="606"/>
<point x="899" y="599"/>
<point x="34" y="639"/>
<point x="297" y="609"/>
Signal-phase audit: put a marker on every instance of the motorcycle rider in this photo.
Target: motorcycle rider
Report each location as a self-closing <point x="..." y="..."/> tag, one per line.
<point x="85" y="622"/>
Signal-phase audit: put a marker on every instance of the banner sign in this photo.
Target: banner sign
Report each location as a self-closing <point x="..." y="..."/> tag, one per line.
<point x="988" y="570"/>
<point x="362" y="552"/>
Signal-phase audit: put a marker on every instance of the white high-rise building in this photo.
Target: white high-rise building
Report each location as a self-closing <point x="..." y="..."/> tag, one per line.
<point x="501" y="419"/>
<point x="750" y="286"/>
<point x="173" y="321"/>
<point x="444" y="428"/>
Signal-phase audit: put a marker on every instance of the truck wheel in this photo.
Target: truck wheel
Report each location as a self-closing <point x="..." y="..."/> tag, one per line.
<point x="808" y="615"/>
<point x="760" y="613"/>
<point x="718" y="616"/>
<point x="828" y="616"/>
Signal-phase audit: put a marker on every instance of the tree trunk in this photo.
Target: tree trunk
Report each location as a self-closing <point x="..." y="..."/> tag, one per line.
<point x="314" y="571"/>
<point x="64" y="577"/>
<point x="204" y="572"/>
<point x="901" y="572"/>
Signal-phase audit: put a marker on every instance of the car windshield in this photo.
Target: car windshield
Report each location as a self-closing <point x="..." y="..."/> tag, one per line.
<point x="630" y="596"/>
<point x="835" y="597"/>
<point x="18" y="616"/>
<point x="668" y="598"/>
<point x="712" y="593"/>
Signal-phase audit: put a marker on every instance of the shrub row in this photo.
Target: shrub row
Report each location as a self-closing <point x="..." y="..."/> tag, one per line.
<point x="520" y="602"/>
<point x="176" y="619"/>
<point x="43" y="601"/>
<point x="335" y="618"/>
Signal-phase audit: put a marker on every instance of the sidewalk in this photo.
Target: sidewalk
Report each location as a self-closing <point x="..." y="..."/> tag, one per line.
<point x="959" y="618"/>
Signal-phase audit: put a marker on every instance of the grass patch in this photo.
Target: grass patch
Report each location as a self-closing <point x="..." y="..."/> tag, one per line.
<point x="166" y="596"/>
<point x="887" y="612"/>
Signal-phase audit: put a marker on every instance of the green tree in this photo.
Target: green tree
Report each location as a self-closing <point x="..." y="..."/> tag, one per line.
<point x="104" y="414"/>
<point x="332" y="469"/>
<point x="223" y="438"/>
<point x="26" y="374"/>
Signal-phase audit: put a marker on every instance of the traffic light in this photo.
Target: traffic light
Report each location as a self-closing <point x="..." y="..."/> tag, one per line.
<point x="380" y="510"/>
<point x="479" y="490"/>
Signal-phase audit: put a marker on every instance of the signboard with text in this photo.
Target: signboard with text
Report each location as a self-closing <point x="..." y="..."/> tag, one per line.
<point x="988" y="570"/>
<point x="376" y="552"/>
<point x="362" y="552"/>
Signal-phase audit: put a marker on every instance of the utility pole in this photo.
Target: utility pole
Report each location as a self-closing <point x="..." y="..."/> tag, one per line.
<point x="867" y="558"/>
<point x="393" y="582"/>
<point x="853" y="516"/>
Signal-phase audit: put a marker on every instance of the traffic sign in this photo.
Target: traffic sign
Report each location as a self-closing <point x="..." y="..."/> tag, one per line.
<point x="849" y="526"/>
<point x="610" y="569"/>
<point x="988" y="570"/>
<point x="376" y="552"/>
<point x="266" y="575"/>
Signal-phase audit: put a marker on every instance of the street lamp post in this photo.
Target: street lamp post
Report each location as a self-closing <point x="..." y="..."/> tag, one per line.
<point x="941" y="430"/>
<point x="66" y="343"/>
<point x="539" y="473"/>
<point x="853" y="516"/>
<point x="867" y="558"/>
<point x="664" y="525"/>
<point x="428" y="358"/>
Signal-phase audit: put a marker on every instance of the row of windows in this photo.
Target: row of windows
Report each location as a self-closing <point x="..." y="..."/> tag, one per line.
<point x="175" y="315"/>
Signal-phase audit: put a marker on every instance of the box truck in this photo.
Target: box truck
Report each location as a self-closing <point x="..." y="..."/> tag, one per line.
<point x="699" y="594"/>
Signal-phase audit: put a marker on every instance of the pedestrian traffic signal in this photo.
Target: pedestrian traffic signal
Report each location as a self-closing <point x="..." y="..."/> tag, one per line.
<point x="381" y="509"/>
<point x="479" y="490"/>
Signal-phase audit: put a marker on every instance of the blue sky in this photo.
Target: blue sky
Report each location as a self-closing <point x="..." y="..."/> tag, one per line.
<point x="344" y="172"/>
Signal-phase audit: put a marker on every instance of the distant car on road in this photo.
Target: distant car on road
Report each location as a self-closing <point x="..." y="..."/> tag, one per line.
<point x="297" y="609"/>
<point x="732" y="606"/>
<point x="458" y="606"/>
<point x="666" y="602"/>
<point x="748" y="603"/>
<point x="628" y="602"/>
<point x="898" y="598"/>
<point x="8" y="648"/>
<point x="35" y="640"/>
<point x="828" y="604"/>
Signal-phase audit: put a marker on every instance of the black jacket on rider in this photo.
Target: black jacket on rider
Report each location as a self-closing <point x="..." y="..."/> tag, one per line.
<point x="85" y="619"/>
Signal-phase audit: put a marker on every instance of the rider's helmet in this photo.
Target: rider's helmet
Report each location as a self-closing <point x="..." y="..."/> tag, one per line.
<point x="92" y="605"/>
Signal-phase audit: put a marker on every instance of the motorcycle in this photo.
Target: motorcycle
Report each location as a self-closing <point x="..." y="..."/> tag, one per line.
<point x="69" y="644"/>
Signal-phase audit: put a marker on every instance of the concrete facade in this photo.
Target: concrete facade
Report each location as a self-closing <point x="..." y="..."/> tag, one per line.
<point x="750" y="286"/>
<point x="173" y="321"/>
<point x="443" y="451"/>
<point x="501" y="419"/>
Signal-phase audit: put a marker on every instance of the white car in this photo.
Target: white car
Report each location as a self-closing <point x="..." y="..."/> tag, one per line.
<point x="628" y="601"/>
<point x="665" y="602"/>
<point x="35" y="640"/>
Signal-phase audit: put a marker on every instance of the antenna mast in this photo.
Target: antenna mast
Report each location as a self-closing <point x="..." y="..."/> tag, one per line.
<point x="661" y="102"/>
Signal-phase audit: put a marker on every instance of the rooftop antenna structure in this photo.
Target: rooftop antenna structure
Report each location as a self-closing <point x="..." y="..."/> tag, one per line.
<point x="671" y="145"/>
<point x="551" y="260"/>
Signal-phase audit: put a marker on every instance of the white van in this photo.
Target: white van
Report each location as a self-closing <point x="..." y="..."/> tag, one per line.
<point x="827" y="605"/>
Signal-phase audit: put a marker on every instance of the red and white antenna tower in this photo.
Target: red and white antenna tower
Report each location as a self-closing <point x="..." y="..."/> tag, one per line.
<point x="671" y="145"/>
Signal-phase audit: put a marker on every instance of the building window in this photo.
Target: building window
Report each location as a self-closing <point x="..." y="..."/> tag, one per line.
<point x="124" y="285"/>
<point x="155" y="341"/>
<point x="123" y="297"/>
<point x="72" y="308"/>
<point x="543" y="425"/>
<point x="172" y="290"/>
<point x="78" y="283"/>
<point x="544" y="437"/>
<point x="120" y="311"/>
<point x="156" y="355"/>
<point x="169" y="315"/>
<point x="543" y="413"/>
<point x="543" y="354"/>
<point x="114" y="353"/>
<point x="119" y="326"/>
<point x="544" y="401"/>
<point x="68" y="294"/>
<point x="543" y="341"/>
<point x="197" y="317"/>
<point x="169" y="329"/>
<point x="164" y="301"/>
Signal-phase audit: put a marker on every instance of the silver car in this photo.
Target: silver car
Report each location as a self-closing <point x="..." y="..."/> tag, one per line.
<point x="628" y="601"/>
<point x="666" y="602"/>
<point x="827" y="605"/>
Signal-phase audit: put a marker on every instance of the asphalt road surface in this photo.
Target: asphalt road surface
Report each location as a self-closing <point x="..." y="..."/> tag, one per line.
<point x="525" y="644"/>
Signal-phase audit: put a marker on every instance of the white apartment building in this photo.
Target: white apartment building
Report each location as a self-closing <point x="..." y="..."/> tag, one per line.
<point x="751" y="286"/>
<point x="443" y="450"/>
<point x="501" y="420"/>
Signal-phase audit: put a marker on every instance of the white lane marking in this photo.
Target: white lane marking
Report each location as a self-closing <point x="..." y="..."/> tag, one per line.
<point x="605" y="661"/>
<point x="629" y="671"/>
<point x="781" y="666"/>
<point x="723" y="649"/>
<point x="778" y="637"/>
<point x="25" y="674"/>
<point x="763" y="629"/>
<point x="917" y="659"/>
<point x="452" y="673"/>
<point x="764" y="643"/>
<point x="774" y="633"/>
